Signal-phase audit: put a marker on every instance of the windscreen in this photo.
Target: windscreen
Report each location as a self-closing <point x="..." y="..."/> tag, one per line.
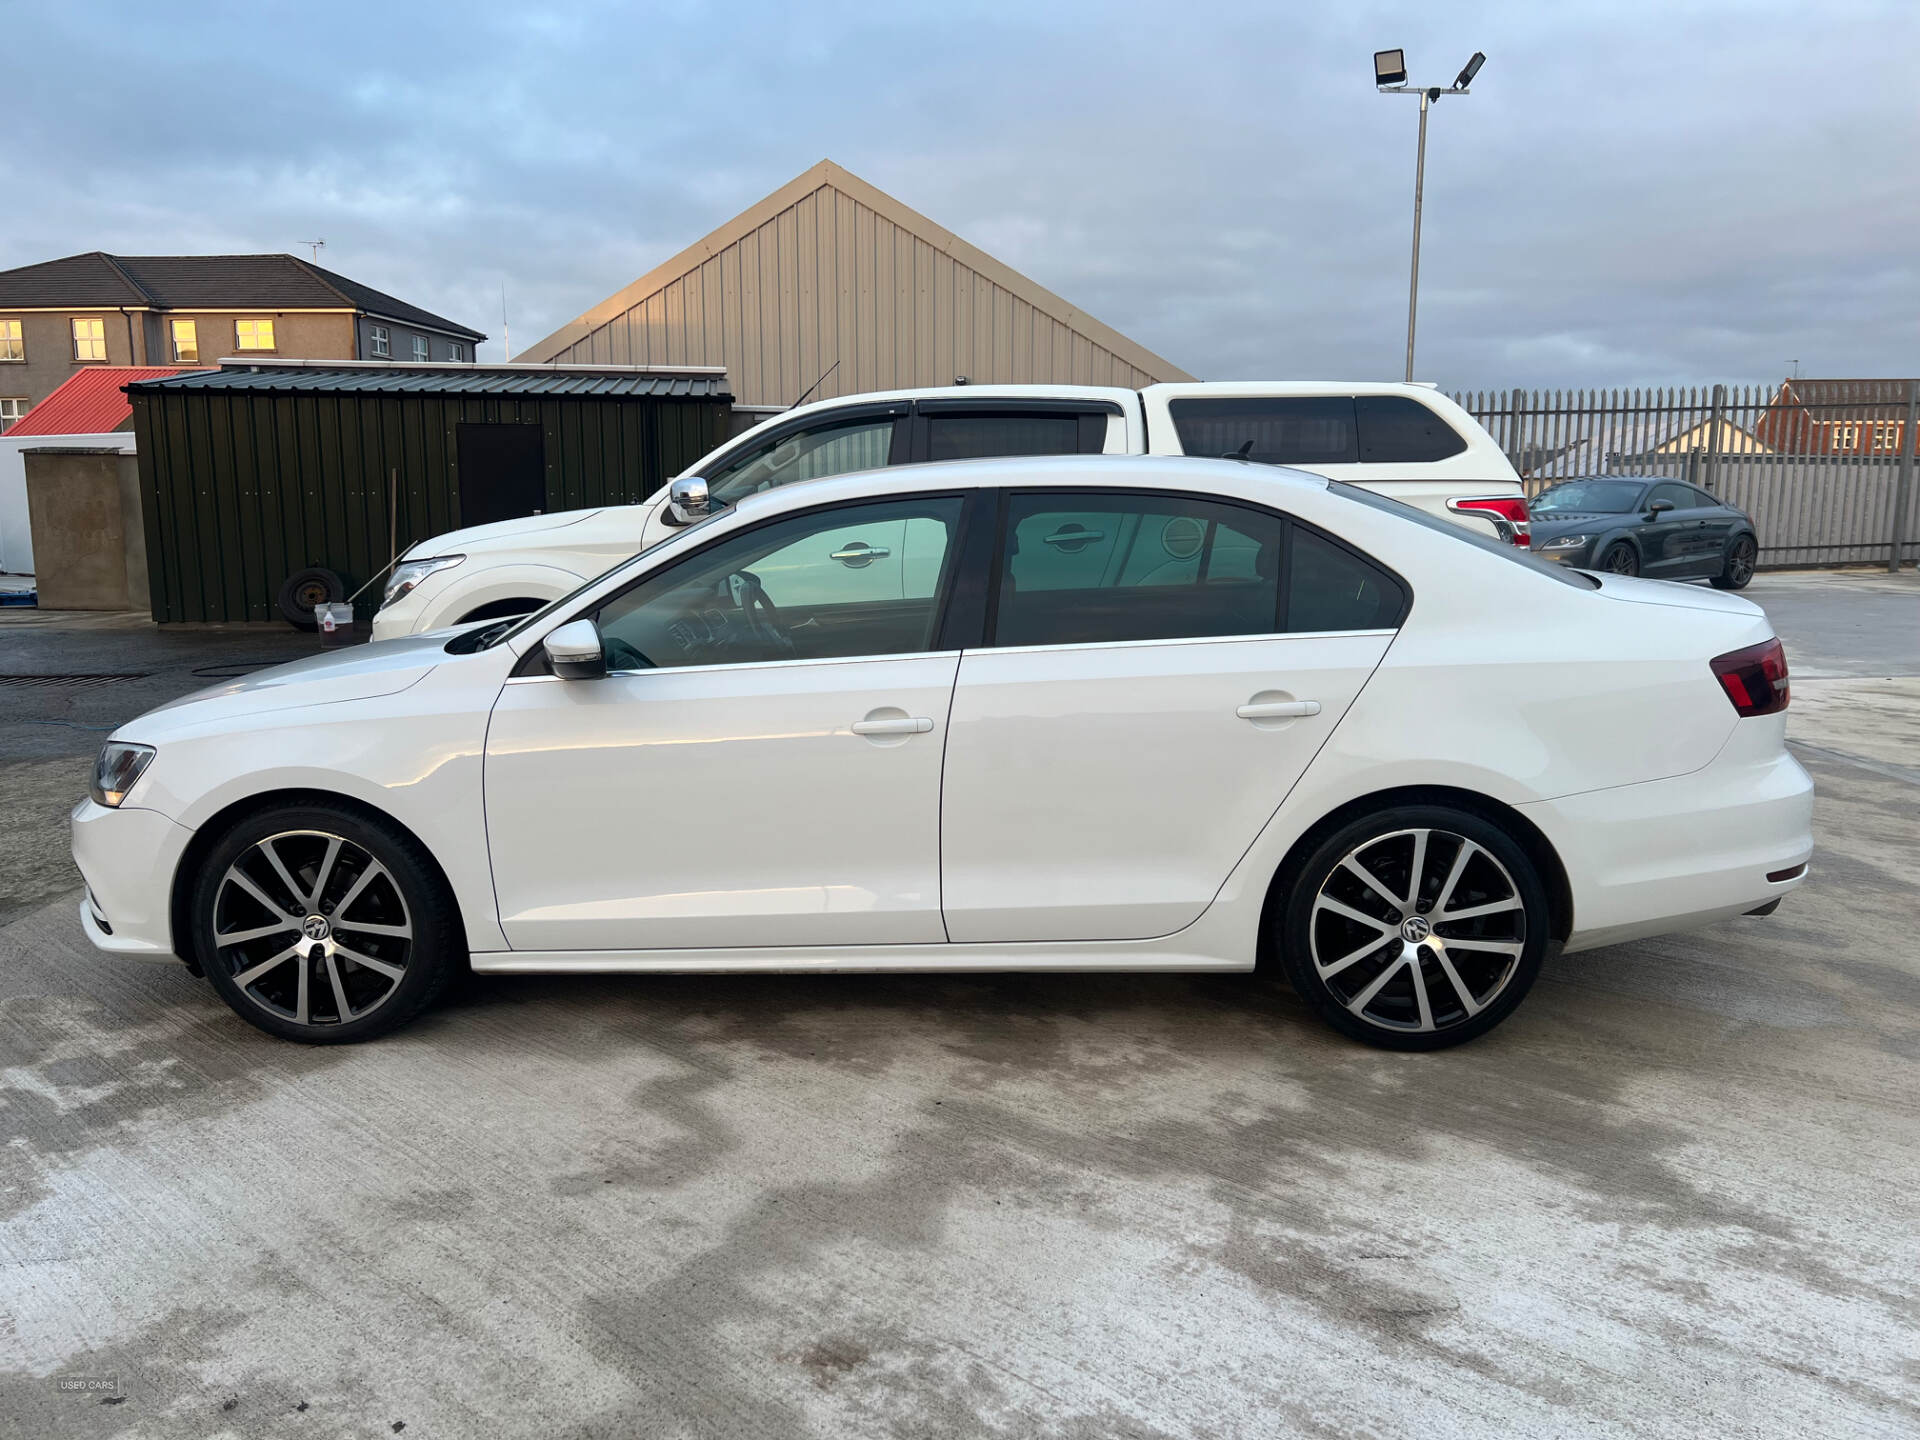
<point x="1605" y="497"/>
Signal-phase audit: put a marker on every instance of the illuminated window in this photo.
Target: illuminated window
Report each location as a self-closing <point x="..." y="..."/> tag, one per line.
<point x="1846" y="437"/>
<point x="12" y="346"/>
<point x="186" y="340"/>
<point x="253" y="334"/>
<point x="89" y="339"/>
<point x="1886" y="436"/>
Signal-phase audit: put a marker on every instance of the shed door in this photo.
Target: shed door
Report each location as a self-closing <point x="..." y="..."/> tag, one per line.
<point x="503" y="473"/>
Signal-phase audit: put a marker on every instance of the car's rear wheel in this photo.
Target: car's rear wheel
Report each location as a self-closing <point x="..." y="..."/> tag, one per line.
<point x="1620" y="559"/>
<point x="318" y="924"/>
<point x="1415" y="928"/>
<point x="1738" y="567"/>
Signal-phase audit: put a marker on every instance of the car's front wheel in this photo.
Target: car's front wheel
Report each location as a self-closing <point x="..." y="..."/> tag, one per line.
<point x="1416" y="927"/>
<point x="1621" y="559"/>
<point x="319" y="924"/>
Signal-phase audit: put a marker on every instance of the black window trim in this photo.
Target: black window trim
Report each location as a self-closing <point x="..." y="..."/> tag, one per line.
<point x="534" y="662"/>
<point x="1289" y="523"/>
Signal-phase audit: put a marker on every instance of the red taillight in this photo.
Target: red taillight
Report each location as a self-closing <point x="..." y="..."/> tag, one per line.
<point x="1755" y="678"/>
<point x="1509" y="510"/>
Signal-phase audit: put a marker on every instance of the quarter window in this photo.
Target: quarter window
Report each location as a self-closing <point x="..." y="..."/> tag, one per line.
<point x="253" y="334"/>
<point x="13" y="345"/>
<point x="1331" y="588"/>
<point x="89" y="339"/>
<point x="11" y="409"/>
<point x="186" y="340"/>
<point x="420" y="348"/>
<point x="379" y="342"/>
<point x="829" y="584"/>
<point x="840" y="448"/>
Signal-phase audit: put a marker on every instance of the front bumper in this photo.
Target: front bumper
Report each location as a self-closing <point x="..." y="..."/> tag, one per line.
<point x="127" y="858"/>
<point x="1687" y="851"/>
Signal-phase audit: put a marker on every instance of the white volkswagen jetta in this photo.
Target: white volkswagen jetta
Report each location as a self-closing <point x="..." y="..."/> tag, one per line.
<point x="1118" y="714"/>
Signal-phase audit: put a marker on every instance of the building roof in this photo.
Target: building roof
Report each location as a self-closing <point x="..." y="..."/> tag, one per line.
<point x="90" y="402"/>
<point x="1847" y="399"/>
<point x="379" y="377"/>
<point x="796" y="279"/>
<point x="200" y="282"/>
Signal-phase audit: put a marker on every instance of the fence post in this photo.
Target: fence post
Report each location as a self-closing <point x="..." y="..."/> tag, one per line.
<point x="1716" y="423"/>
<point x="1515" y="443"/>
<point x="1903" y="485"/>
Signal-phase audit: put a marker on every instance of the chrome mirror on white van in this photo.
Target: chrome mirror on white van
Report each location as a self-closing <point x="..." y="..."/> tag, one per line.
<point x="688" y="500"/>
<point x="575" y="652"/>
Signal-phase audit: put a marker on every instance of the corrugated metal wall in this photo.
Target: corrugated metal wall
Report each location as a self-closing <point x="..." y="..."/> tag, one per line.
<point x="829" y="278"/>
<point x="241" y="489"/>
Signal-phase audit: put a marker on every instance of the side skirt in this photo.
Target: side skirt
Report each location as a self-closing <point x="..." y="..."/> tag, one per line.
<point x="1140" y="957"/>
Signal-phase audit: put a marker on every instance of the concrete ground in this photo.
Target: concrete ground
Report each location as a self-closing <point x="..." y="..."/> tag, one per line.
<point x="1674" y="1195"/>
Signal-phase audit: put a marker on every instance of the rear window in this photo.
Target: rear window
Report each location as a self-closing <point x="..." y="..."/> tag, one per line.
<point x="1512" y="554"/>
<point x="1314" y="429"/>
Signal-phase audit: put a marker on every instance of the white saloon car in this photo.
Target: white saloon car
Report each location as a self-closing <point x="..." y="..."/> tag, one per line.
<point x="1124" y="714"/>
<point x="1406" y="441"/>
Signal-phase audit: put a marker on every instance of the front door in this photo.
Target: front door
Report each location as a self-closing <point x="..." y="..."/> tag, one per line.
<point x="1162" y="670"/>
<point x="1669" y="541"/>
<point x="762" y="766"/>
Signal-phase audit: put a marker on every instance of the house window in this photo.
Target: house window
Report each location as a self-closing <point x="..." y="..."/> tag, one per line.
<point x="456" y="351"/>
<point x="1846" y="437"/>
<point x="253" y="334"/>
<point x="1886" y="436"/>
<point x="420" y="348"/>
<point x="379" y="342"/>
<point x="11" y="410"/>
<point x="12" y="345"/>
<point x="89" y="339"/>
<point x="186" y="340"/>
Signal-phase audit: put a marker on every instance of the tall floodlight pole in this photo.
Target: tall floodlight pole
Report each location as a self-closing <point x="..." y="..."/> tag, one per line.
<point x="1390" y="78"/>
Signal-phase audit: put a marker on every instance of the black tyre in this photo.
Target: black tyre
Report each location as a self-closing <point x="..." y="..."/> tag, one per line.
<point x="303" y="590"/>
<point x="1415" y="928"/>
<point x="1737" y="569"/>
<point x="319" y="925"/>
<point x="1620" y="559"/>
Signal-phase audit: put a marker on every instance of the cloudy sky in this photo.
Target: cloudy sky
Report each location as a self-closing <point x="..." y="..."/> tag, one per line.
<point x="1637" y="192"/>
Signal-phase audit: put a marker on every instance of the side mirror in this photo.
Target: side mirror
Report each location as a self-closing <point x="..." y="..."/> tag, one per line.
<point x="575" y="651"/>
<point x="688" y="500"/>
<point x="1658" y="508"/>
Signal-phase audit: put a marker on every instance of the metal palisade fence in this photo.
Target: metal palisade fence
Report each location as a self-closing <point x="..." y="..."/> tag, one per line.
<point x="1824" y="467"/>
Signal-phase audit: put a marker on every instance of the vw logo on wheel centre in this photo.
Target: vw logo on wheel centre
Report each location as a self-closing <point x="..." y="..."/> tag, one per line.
<point x="315" y="927"/>
<point x="1415" y="929"/>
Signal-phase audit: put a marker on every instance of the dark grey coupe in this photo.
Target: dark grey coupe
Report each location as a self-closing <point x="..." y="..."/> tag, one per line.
<point x="1644" y="525"/>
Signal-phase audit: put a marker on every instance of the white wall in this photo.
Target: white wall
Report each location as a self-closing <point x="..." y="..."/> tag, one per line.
<point x="16" y="538"/>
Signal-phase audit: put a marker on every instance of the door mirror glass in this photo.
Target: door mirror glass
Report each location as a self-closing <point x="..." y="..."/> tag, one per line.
<point x="688" y="500"/>
<point x="575" y="652"/>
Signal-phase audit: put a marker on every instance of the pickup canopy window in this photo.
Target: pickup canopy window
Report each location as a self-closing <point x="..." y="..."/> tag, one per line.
<point x="1314" y="429"/>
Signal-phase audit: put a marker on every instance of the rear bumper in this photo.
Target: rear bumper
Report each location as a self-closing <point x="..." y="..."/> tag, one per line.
<point x="1687" y="851"/>
<point x="128" y="858"/>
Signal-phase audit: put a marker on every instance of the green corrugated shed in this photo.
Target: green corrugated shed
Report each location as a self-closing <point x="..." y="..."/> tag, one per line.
<point x="250" y="473"/>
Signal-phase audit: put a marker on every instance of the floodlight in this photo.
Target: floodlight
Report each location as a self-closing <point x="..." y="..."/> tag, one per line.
<point x="1471" y="69"/>
<point x="1389" y="67"/>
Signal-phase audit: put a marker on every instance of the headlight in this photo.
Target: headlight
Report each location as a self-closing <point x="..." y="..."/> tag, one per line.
<point x="117" y="771"/>
<point x="1565" y="542"/>
<point x="409" y="573"/>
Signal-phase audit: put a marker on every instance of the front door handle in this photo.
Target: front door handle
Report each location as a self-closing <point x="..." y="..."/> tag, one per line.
<point x="1278" y="709"/>
<point x="902" y="725"/>
<point x="857" y="554"/>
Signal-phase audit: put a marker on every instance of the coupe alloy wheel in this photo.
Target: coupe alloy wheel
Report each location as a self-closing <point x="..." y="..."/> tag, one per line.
<point x="312" y="928"/>
<point x="1621" y="560"/>
<point x="1417" y="930"/>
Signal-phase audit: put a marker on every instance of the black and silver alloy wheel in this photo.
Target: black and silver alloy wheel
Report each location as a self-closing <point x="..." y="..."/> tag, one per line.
<point x="313" y="928"/>
<point x="1417" y="928"/>
<point x="1738" y="569"/>
<point x="322" y="925"/>
<point x="1620" y="560"/>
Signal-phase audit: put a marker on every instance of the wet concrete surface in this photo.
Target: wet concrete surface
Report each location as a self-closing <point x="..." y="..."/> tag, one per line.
<point x="1674" y="1195"/>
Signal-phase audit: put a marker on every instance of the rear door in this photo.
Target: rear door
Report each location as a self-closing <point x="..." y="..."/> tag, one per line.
<point x="1159" y="671"/>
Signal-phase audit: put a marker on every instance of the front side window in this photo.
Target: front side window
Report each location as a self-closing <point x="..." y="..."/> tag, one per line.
<point x="253" y="334"/>
<point x="1678" y="496"/>
<point x="420" y="348"/>
<point x="379" y="341"/>
<point x="186" y="340"/>
<point x="11" y="409"/>
<point x="1088" y="568"/>
<point x="13" y="345"/>
<point x="833" y="448"/>
<point x="980" y="437"/>
<point x="89" y="339"/>
<point x="851" y="581"/>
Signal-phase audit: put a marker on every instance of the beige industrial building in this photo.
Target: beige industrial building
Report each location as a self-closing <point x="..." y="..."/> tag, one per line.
<point x="828" y="268"/>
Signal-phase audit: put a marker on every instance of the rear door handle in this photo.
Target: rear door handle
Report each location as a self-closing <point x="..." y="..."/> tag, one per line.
<point x="1278" y="710"/>
<point x="903" y="725"/>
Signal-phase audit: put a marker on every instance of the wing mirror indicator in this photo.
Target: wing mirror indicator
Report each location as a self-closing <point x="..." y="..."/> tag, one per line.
<point x="575" y="652"/>
<point x="688" y="500"/>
